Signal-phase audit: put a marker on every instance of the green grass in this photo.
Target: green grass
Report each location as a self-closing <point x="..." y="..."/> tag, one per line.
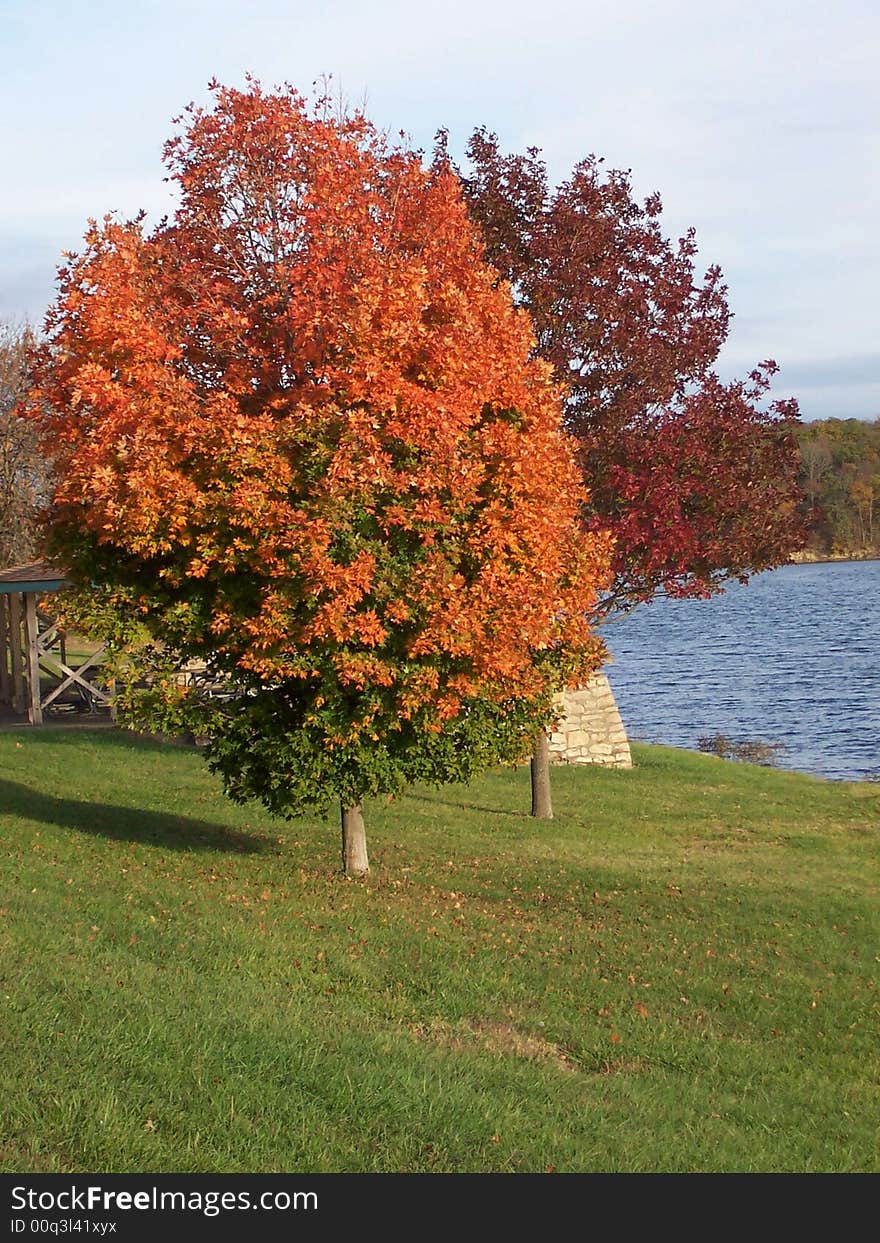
<point x="678" y="973"/>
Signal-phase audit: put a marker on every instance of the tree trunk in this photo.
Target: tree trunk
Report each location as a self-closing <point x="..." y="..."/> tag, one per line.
<point x="542" y="805"/>
<point x="354" y="842"/>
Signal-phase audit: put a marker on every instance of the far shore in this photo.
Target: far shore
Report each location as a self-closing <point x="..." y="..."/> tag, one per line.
<point x="818" y="558"/>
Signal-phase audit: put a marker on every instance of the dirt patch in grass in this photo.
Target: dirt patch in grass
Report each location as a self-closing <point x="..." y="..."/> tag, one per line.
<point x="504" y="1039"/>
<point x="621" y="1066"/>
<point x="493" y="1037"/>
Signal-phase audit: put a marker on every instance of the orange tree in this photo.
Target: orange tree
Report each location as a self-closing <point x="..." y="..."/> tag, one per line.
<point x="299" y="431"/>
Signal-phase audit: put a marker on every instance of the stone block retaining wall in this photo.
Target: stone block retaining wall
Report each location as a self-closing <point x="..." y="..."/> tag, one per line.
<point x="590" y="730"/>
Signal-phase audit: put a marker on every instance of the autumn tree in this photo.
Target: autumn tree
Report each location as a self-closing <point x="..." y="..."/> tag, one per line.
<point x="301" y="431"/>
<point x="23" y="470"/>
<point x="695" y="478"/>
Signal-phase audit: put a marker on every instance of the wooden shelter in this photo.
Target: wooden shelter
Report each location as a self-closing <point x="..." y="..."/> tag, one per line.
<point x="35" y="674"/>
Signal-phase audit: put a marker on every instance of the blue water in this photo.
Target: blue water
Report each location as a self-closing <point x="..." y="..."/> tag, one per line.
<point x="793" y="657"/>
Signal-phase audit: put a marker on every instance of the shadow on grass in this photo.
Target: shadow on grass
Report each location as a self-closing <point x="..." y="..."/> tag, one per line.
<point x="465" y="806"/>
<point x="127" y="824"/>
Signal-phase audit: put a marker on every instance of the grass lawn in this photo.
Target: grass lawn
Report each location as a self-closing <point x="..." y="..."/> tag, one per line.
<point x="678" y="973"/>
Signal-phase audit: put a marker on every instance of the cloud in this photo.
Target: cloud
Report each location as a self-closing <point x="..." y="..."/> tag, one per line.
<point x="844" y="372"/>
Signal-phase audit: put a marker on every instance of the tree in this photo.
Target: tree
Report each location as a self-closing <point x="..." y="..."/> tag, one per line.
<point x="695" y="479"/>
<point x="299" y="431"/>
<point x="23" y="472"/>
<point x="816" y="463"/>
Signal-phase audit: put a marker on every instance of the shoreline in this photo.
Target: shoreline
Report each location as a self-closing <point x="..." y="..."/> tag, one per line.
<point x="809" y="558"/>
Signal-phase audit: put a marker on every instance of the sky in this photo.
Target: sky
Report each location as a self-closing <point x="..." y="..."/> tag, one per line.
<point x="758" y="121"/>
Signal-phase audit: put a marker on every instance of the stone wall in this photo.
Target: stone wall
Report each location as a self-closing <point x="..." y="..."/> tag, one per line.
<point x="590" y="730"/>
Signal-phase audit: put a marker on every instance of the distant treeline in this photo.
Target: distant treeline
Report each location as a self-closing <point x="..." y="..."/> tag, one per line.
<point x="840" y="478"/>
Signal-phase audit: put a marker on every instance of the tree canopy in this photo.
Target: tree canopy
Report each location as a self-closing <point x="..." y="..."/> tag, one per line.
<point x="303" y="432"/>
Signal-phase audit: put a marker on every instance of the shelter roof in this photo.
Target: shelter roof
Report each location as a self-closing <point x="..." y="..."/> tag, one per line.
<point x="36" y="576"/>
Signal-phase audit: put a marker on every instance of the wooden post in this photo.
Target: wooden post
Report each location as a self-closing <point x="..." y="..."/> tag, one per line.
<point x="35" y="712"/>
<point x="18" y="700"/>
<point x="5" y="676"/>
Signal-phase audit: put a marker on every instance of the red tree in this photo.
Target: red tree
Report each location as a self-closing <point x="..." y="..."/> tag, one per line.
<point x="300" y="427"/>
<point x="696" y="479"/>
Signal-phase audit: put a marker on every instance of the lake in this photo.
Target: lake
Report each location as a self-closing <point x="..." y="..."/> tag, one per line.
<point x="793" y="657"/>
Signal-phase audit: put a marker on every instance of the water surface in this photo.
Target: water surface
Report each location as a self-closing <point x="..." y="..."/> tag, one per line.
<point x="793" y="657"/>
